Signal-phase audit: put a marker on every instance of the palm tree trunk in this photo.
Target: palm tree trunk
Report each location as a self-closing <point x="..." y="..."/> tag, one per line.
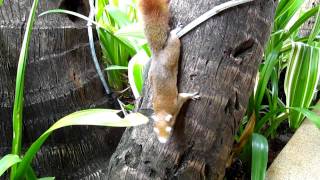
<point x="220" y="59"/>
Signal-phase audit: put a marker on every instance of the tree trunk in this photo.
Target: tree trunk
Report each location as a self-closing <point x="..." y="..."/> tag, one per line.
<point x="220" y="60"/>
<point x="60" y="79"/>
<point x="307" y="27"/>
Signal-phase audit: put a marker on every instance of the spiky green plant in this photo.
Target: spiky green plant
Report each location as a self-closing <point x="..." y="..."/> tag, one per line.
<point x="21" y="166"/>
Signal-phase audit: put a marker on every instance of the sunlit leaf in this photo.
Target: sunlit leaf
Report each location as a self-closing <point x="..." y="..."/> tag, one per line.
<point x="47" y="178"/>
<point x="115" y="67"/>
<point x="118" y="16"/>
<point x="133" y="31"/>
<point x="96" y="117"/>
<point x="136" y="70"/>
<point x="7" y="161"/>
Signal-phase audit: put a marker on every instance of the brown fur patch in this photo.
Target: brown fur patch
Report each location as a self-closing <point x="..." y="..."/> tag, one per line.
<point x="150" y="6"/>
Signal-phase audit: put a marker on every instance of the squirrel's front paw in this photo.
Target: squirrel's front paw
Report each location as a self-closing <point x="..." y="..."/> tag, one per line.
<point x="195" y="96"/>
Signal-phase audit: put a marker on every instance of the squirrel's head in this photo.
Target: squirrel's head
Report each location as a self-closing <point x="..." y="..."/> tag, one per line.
<point x="163" y="126"/>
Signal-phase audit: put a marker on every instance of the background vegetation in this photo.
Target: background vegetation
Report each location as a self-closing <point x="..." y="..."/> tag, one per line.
<point x="286" y="87"/>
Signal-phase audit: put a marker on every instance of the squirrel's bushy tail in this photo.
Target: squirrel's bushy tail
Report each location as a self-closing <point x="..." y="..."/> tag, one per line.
<point x="155" y="16"/>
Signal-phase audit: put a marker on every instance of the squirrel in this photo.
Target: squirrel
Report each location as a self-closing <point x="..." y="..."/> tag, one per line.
<point x="163" y="71"/>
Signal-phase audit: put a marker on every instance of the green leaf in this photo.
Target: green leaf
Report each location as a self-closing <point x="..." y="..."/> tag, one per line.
<point x="118" y="16"/>
<point x="1" y="2"/>
<point x="261" y="122"/>
<point x="47" y="178"/>
<point x="136" y="72"/>
<point x="7" y="161"/>
<point x="312" y="116"/>
<point x="316" y="28"/>
<point x="115" y="67"/>
<point x="264" y="77"/>
<point x="285" y="12"/>
<point x="259" y="157"/>
<point x="95" y="117"/>
<point x="19" y="91"/>
<point x="305" y="16"/>
<point x="301" y="79"/>
<point x="30" y="174"/>
<point x="134" y="30"/>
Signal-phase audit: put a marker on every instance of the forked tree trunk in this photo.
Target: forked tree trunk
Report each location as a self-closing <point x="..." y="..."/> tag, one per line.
<point x="60" y="79"/>
<point x="220" y="60"/>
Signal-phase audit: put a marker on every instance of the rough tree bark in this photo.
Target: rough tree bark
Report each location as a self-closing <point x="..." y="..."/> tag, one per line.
<point x="60" y="79"/>
<point x="220" y="60"/>
<point x="307" y="27"/>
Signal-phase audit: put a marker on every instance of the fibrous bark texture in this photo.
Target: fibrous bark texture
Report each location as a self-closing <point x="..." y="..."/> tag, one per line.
<point x="306" y="28"/>
<point x="60" y="79"/>
<point x="219" y="59"/>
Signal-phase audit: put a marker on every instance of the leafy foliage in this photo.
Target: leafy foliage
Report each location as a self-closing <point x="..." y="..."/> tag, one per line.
<point x="298" y="59"/>
<point x="301" y="80"/>
<point x="121" y="38"/>
<point x="294" y="60"/>
<point x="259" y="156"/>
<point x="95" y="117"/>
<point x="18" y="100"/>
<point x="21" y="168"/>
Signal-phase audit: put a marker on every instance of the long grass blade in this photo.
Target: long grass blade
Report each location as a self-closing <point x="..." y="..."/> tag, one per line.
<point x="30" y="174"/>
<point x="19" y="92"/>
<point x="95" y="117"/>
<point x="259" y="157"/>
<point x="264" y="77"/>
